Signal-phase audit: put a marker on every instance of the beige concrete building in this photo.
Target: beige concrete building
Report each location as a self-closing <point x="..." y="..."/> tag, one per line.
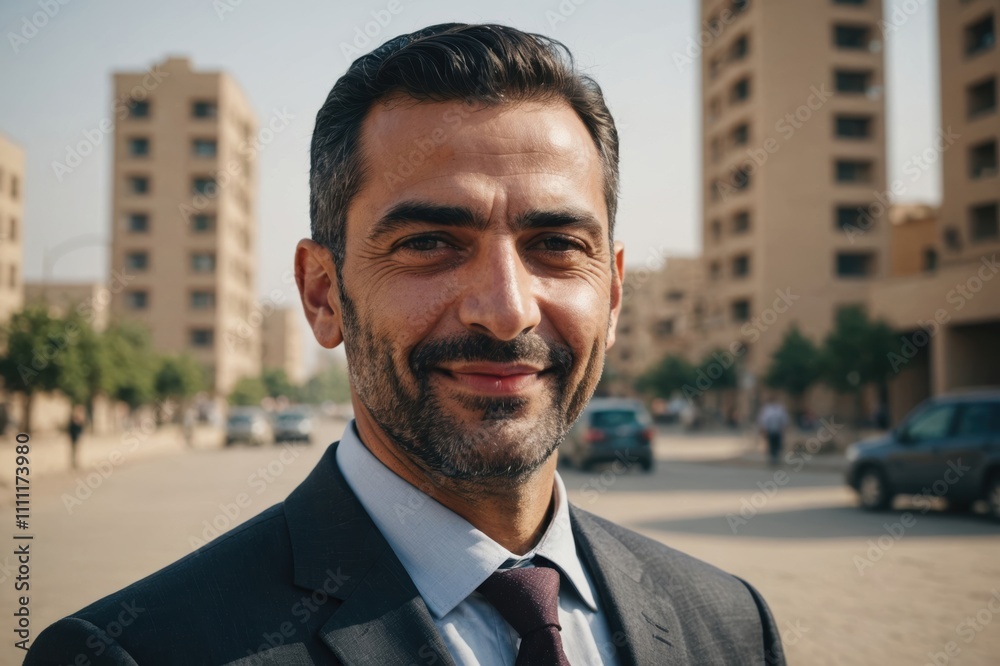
<point x="914" y="234"/>
<point x="281" y="343"/>
<point x="11" y="227"/>
<point x="184" y="220"/>
<point x="949" y="319"/>
<point x="660" y="315"/>
<point x="795" y="193"/>
<point x="91" y="300"/>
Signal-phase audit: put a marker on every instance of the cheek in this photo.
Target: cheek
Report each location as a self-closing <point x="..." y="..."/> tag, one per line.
<point x="409" y="310"/>
<point x="580" y="317"/>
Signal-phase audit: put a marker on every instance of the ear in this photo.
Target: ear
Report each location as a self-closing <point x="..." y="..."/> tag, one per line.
<point x="617" y="282"/>
<point x="316" y="278"/>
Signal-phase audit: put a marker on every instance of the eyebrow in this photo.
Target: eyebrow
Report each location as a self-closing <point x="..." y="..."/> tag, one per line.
<point x="408" y="212"/>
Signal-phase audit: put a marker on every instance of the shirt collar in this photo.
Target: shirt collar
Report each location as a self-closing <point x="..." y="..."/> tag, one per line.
<point x="446" y="556"/>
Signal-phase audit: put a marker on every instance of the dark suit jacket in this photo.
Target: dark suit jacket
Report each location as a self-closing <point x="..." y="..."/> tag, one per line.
<point x="312" y="581"/>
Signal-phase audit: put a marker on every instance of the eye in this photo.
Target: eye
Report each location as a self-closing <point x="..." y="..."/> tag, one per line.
<point x="424" y="244"/>
<point x="559" y="244"/>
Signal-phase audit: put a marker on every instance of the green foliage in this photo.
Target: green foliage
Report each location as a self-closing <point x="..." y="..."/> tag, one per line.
<point x="131" y="354"/>
<point x="329" y="385"/>
<point x="178" y="377"/>
<point x="667" y="377"/>
<point x="856" y="351"/>
<point x="719" y="368"/>
<point x="248" y="392"/>
<point x="795" y="365"/>
<point x="277" y="384"/>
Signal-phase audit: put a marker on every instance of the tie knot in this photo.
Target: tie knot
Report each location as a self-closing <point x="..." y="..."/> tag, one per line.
<point x="527" y="598"/>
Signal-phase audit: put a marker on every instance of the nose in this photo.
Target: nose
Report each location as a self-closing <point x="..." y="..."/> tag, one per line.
<point x="498" y="297"/>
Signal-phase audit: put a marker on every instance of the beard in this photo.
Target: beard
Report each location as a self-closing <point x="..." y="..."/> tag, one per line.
<point x="506" y="438"/>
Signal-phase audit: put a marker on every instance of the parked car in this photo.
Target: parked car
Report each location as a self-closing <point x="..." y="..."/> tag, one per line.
<point x="293" y="425"/>
<point x="948" y="446"/>
<point x="248" y="426"/>
<point x="610" y="429"/>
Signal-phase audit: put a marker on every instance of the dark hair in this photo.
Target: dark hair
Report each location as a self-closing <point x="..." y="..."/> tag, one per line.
<point x="491" y="64"/>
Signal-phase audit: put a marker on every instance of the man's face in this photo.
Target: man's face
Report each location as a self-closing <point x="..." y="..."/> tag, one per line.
<point x="479" y="291"/>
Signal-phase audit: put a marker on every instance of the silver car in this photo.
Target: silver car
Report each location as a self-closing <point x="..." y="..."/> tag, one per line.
<point x="248" y="426"/>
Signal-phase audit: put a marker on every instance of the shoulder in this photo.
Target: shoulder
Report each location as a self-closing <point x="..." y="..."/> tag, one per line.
<point x="226" y="582"/>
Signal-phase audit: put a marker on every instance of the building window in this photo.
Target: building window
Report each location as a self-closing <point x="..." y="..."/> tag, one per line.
<point x="951" y="239"/>
<point x="664" y="328"/>
<point x="980" y="36"/>
<point x="13" y="275"/>
<point x="855" y="264"/>
<point x="138" y="108"/>
<point x="137" y="223"/>
<point x="15" y="188"/>
<point x="675" y="295"/>
<point x="716" y="228"/>
<point x="984" y="222"/>
<point x="930" y="259"/>
<point x="202" y="337"/>
<point x="714" y="110"/>
<point x="714" y="270"/>
<point x="138" y="184"/>
<point x="740" y="310"/>
<point x="981" y="98"/>
<point x="853" y="127"/>
<point x="983" y="159"/>
<point x="12" y="236"/>
<point x="136" y="300"/>
<point x="741" y="266"/>
<point x="740" y="136"/>
<point x="854" y="82"/>
<point x="203" y="186"/>
<point x="739" y="49"/>
<point x="717" y="150"/>
<point x="850" y="36"/>
<point x="204" y="109"/>
<point x="741" y="222"/>
<point x="138" y="147"/>
<point x="738" y="6"/>
<point x="137" y="261"/>
<point x="203" y="262"/>
<point x="854" y="171"/>
<point x="740" y="91"/>
<point x="202" y="300"/>
<point x="202" y="224"/>
<point x="204" y="147"/>
<point x="740" y="178"/>
<point x="852" y="217"/>
<point x="713" y="67"/>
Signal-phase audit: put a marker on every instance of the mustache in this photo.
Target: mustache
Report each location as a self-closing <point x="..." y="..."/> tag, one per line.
<point x="528" y="348"/>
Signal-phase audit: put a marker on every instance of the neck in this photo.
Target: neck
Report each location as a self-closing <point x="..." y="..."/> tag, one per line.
<point x="512" y="513"/>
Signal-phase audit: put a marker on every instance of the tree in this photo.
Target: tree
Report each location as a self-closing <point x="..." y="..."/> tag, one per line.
<point x="277" y="384"/>
<point x="131" y="352"/>
<point x="795" y="366"/>
<point x="667" y="377"/>
<point x="718" y="368"/>
<point x="329" y="385"/>
<point x="249" y="391"/>
<point x="178" y="378"/>
<point x="35" y="355"/>
<point x="856" y="353"/>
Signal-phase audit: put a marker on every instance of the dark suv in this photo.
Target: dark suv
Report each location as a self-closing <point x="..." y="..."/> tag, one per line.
<point x="610" y="429"/>
<point x="948" y="446"/>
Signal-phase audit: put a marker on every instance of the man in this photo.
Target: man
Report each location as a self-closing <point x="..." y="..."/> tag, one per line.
<point x="464" y="187"/>
<point x="772" y="421"/>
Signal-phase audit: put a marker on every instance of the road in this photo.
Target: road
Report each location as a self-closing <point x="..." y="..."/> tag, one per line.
<point x="846" y="587"/>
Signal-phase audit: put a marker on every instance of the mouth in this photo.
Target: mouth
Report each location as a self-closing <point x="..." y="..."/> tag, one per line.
<point x="496" y="379"/>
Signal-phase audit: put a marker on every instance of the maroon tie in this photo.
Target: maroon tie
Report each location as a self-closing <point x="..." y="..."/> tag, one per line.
<point x="528" y="598"/>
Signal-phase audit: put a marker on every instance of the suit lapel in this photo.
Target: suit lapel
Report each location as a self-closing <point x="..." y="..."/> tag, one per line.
<point x="641" y="619"/>
<point x="338" y="549"/>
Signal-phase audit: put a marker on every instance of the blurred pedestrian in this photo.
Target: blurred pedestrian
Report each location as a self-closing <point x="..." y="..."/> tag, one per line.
<point x="77" y="419"/>
<point x="187" y="426"/>
<point x="772" y="421"/>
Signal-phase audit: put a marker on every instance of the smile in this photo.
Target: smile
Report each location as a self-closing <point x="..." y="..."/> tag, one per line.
<point x="495" y="379"/>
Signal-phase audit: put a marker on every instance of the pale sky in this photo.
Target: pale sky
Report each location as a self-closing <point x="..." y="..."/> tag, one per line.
<point x="56" y="84"/>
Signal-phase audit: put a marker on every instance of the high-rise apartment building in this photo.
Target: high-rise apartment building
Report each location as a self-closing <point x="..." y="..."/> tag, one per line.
<point x="970" y="79"/>
<point x="184" y="222"/>
<point x="11" y="226"/>
<point x="795" y="195"/>
<point x="281" y="341"/>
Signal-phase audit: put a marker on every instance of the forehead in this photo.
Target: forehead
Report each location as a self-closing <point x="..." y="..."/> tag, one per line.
<point x="498" y="160"/>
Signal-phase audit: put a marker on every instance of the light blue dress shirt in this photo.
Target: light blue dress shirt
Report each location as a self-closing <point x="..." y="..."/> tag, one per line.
<point x="447" y="559"/>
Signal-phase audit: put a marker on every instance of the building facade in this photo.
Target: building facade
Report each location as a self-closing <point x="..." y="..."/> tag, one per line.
<point x="184" y="220"/>
<point x="281" y="343"/>
<point x="11" y="228"/>
<point x="793" y="157"/>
